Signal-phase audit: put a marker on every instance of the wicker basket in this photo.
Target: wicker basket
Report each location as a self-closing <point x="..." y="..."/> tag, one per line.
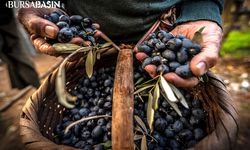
<point x="42" y="112"/>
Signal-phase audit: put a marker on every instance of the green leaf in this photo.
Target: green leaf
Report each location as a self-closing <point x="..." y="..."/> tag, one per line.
<point x="85" y="49"/>
<point x="139" y="80"/>
<point x="107" y="144"/>
<point x="98" y="55"/>
<point x="166" y="89"/>
<point x="205" y="78"/>
<point x="144" y="143"/>
<point x="153" y="79"/>
<point x="179" y="96"/>
<point x="89" y="64"/>
<point x="173" y="105"/>
<point x="201" y="29"/>
<point x="150" y="111"/>
<point x="94" y="57"/>
<point x="60" y="88"/>
<point x="137" y="137"/>
<point x="138" y="128"/>
<point x="143" y="88"/>
<point x="140" y="97"/>
<point x="156" y="96"/>
<point x="70" y="97"/>
<point x="65" y="47"/>
<point x="198" y="36"/>
<point x="106" y="45"/>
<point x="140" y="122"/>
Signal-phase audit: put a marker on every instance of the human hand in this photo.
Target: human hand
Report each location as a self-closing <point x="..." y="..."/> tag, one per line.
<point x="38" y="27"/>
<point x="207" y="58"/>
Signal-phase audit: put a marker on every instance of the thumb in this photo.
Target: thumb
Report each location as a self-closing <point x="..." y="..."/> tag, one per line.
<point x="42" y="27"/>
<point x="204" y="60"/>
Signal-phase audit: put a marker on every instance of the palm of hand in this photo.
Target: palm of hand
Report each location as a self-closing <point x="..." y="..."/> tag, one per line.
<point x="212" y="35"/>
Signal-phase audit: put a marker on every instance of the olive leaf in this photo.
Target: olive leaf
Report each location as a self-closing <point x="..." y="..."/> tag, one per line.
<point x="143" y="88"/>
<point x="144" y="143"/>
<point x="138" y="128"/>
<point x="89" y="64"/>
<point x="198" y="36"/>
<point x="135" y="147"/>
<point x="167" y="91"/>
<point x="107" y="144"/>
<point x="60" y="84"/>
<point x="173" y="105"/>
<point x="140" y="97"/>
<point x="156" y="96"/>
<point x="98" y="55"/>
<point x="140" y="122"/>
<point x="179" y="96"/>
<point x="94" y="57"/>
<point x="65" y="47"/>
<point x="139" y="81"/>
<point x="106" y="45"/>
<point x="150" y="111"/>
<point x="70" y="97"/>
<point x="151" y="80"/>
<point x="137" y="137"/>
<point x="62" y="94"/>
<point x="204" y="78"/>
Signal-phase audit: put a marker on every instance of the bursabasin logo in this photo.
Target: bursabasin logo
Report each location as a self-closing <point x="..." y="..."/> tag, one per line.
<point x="34" y="4"/>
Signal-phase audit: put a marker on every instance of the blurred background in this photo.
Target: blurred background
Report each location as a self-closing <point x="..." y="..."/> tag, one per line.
<point x="233" y="67"/>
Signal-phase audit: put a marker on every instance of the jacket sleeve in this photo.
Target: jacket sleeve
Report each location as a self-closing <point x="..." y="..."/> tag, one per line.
<point x="190" y="10"/>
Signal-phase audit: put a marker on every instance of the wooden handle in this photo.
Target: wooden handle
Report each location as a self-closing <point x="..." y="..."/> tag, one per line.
<point x="123" y="102"/>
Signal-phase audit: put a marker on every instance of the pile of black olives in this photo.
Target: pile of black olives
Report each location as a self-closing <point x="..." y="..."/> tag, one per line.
<point x="170" y="130"/>
<point x="94" y="97"/>
<point x="72" y="26"/>
<point x="169" y="53"/>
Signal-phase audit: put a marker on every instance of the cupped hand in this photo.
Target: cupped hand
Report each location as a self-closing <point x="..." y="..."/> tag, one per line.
<point x="38" y="27"/>
<point x="207" y="58"/>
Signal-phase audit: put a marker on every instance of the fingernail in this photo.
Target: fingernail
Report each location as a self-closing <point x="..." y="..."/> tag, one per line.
<point x="201" y="66"/>
<point x="50" y="31"/>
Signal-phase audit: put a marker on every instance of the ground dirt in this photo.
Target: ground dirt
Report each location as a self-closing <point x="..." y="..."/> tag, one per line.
<point x="231" y="70"/>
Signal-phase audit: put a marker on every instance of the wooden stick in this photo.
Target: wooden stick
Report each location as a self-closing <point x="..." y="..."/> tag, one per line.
<point x="123" y="102"/>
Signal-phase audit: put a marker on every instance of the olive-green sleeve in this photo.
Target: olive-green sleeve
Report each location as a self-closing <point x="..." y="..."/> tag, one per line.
<point x="191" y="10"/>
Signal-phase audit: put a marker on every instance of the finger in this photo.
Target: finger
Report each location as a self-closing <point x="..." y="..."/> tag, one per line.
<point x="77" y="40"/>
<point x="42" y="27"/>
<point x="141" y="56"/>
<point x="41" y="45"/>
<point x="33" y="36"/>
<point x="97" y="34"/>
<point x="203" y="61"/>
<point x="151" y="69"/>
<point x="209" y="55"/>
<point x="180" y="82"/>
<point x="80" y="41"/>
<point x="87" y="43"/>
<point x="96" y="25"/>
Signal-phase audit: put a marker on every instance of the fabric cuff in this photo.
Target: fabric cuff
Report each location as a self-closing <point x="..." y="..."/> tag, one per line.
<point x="199" y="10"/>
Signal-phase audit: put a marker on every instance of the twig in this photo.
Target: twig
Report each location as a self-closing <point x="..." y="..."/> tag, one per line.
<point x="109" y="40"/>
<point x="82" y="120"/>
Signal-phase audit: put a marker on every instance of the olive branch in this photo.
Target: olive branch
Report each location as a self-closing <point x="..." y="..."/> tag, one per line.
<point x="155" y="88"/>
<point x="90" y="53"/>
